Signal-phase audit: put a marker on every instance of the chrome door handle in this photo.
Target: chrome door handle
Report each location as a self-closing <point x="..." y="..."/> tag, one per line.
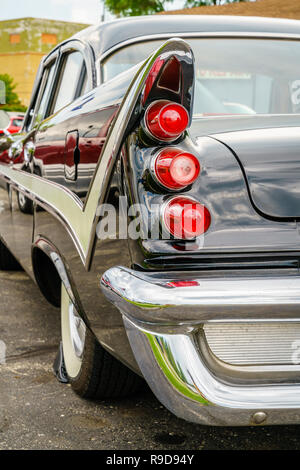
<point x="29" y="150"/>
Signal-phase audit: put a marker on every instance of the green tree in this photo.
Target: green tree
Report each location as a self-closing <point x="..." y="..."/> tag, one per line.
<point x="148" y="7"/>
<point x="202" y="3"/>
<point x="9" y="100"/>
<point x="135" y="7"/>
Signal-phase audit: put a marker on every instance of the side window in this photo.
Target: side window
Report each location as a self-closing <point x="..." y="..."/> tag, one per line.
<point x="71" y="80"/>
<point x="85" y="84"/>
<point x="43" y="99"/>
<point x="39" y="107"/>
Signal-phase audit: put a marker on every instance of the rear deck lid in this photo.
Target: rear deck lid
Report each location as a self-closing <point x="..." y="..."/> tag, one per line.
<point x="270" y="161"/>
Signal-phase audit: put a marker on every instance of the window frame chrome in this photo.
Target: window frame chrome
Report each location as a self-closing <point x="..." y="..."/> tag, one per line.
<point x="73" y="45"/>
<point x="56" y="55"/>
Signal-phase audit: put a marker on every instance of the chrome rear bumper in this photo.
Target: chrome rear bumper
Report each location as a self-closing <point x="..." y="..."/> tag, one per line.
<point x="163" y="314"/>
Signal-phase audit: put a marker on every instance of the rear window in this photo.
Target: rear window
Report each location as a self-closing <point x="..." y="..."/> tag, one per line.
<point x="17" y="122"/>
<point x="233" y="76"/>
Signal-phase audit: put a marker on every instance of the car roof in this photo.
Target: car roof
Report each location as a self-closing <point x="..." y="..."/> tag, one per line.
<point x="16" y="115"/>
<point x="104" y="36"/>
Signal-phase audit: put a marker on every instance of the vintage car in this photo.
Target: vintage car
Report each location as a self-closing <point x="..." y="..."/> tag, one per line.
<point x="10" y="124"/>
<point x="13" y="123"/>
<point x="153" y="196"/>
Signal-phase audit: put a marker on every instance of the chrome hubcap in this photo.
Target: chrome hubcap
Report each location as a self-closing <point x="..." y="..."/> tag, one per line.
<point x="77" y="331"/>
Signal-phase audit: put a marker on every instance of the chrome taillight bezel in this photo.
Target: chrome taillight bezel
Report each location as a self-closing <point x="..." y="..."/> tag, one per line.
<point x="148" y="132"/>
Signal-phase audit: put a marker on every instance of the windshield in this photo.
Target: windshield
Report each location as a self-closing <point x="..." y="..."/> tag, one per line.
<point x="233" y="76"/>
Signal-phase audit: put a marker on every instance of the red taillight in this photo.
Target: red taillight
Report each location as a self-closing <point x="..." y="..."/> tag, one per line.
<point x="185" y="218"/>
<point x="175" y="169"/>
<point x="166" y="120"/>
<point x="155" y="69"/>
<point x="182" y="283"/>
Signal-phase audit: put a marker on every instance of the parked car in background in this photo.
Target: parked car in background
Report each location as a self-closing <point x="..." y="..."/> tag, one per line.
<point x="10" y="130"/>
<point x="15" y="122"/>
<point x="4" y="121"/>
<point x="193" y="122"/>
<point x="10" y="122"/>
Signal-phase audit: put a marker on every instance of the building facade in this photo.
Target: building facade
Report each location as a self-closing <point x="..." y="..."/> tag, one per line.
<point x="23" y="42"/>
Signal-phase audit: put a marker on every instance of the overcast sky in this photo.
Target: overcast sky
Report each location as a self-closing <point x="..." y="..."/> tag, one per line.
<point x="82" y="11"/>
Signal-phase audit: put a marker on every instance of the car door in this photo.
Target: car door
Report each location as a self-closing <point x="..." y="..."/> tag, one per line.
<point x="16" y="217"/>
<point x="44" y="144"/>
<point x="56" y="153"/>
<point x="55" y="129"/>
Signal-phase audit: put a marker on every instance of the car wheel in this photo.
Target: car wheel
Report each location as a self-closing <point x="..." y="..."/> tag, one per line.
<point x="91" y="370"/>
<point x="7" y="261"/>
<point x="25" y="204"/>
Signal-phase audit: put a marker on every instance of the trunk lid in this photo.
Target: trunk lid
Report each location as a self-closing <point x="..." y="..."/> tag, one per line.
<point x="270" y="161"/>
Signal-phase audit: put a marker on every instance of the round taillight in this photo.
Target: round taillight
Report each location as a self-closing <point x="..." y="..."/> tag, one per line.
<point x="185" y="218"/>
<point x="175" y="169"/>
<point x="166" y="120"/>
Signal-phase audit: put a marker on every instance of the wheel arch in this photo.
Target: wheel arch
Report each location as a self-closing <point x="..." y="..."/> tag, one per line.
<point x="50" y="270"/>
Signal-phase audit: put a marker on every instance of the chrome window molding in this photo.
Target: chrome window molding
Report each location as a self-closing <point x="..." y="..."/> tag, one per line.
<point x="34" y="94"/>
<point x="55" y="55"/>
<point x="202" y="35"/>
<point x="81" y="220"/>
<point x="87" y="53"/>
<point x="41" y="90"/>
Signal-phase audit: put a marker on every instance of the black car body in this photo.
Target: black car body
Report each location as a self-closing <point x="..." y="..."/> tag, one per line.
<point x="211" y="321"/>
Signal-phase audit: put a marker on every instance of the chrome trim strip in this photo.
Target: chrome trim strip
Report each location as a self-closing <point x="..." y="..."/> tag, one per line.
<point x="51" y="196"/>
<point x="81" y="220"/>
